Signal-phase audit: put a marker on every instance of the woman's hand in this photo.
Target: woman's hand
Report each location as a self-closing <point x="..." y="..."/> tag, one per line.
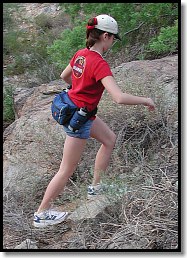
<point x="149" y="102"/>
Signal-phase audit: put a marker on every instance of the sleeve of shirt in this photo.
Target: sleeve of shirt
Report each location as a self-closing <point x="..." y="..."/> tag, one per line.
<point x="101" y="70"/>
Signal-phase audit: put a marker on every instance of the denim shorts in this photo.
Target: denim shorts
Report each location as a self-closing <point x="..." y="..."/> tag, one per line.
<point x="84" y="131"/>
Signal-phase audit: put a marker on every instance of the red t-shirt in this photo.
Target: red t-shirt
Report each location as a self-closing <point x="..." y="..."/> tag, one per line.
<point x="88" y="68"/>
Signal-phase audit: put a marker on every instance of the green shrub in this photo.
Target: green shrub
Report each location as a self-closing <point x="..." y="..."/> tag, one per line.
<point x="8" y="111"/>
<point x="152" y="17"/>
<point x="12" y="44"/>
<point x="29" y="53"/>
<point x="50" y="47"/>
<point x="128" y="15"/>
<point x="17" y="67"/>
<point x="63" y="49"/>
<point x="8" y="21"/>
<point x="43" y="21"/>
<point x="166" y="41"/>
<point x="10" y="35"/>
<point x="71" y="9"/>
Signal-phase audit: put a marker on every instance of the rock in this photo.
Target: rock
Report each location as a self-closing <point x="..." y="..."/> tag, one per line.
<point x="50" y="9"/>
<point x="33" y="144"/>
<point x="32" y="10"/>
<point x="27" y="244"/>
<point x="155" y="78"/>
<point x="90" y="209"/>
<point x="20" y="96"/>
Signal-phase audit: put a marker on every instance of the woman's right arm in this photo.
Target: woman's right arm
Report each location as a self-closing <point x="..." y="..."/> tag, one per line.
<point x="66" y="74"/>
<point x="124" y="98"/>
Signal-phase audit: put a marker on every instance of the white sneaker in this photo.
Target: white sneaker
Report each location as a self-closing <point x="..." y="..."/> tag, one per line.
<point x="48" y="217"/>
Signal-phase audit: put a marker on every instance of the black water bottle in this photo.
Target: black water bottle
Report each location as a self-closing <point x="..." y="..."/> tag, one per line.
<point x="78" y="119"/>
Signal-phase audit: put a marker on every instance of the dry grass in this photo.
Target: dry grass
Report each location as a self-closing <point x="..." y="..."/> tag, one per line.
<point x="145" y="165"/>
<point x="144" y="173"/>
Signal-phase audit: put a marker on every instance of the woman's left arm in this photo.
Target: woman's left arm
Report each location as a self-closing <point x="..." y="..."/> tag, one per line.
<point x="66" y="74"/>
<point x="124" y="98"/>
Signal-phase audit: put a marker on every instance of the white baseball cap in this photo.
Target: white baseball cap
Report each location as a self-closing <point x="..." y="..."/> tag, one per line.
<point x="108" y="24"/>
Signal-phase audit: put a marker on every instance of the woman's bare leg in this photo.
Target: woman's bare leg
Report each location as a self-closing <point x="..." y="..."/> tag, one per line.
<point x="101" y="132"/>
<point x="73" y="148"/>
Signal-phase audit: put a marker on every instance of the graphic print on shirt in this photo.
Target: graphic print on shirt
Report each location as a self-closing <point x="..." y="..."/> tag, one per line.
<point x="79" y="65"/>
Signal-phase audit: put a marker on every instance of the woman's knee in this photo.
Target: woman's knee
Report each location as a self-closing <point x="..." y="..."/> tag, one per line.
<point x="101" y="132"/>
<point x="111" y="141"/>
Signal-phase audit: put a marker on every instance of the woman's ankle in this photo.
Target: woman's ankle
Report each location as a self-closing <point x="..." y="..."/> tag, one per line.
<point x="42" y="209"/>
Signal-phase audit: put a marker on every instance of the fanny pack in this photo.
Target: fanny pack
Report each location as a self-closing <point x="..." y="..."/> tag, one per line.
<point x="61" y="109"/>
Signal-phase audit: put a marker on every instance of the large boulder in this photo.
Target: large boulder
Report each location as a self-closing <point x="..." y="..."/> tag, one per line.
<point x="33" y="144"/>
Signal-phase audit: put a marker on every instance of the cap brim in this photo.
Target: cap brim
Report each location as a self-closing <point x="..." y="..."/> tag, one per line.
<point x="117" y="36"/>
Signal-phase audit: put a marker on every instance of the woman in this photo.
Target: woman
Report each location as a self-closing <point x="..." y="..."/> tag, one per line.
<point x="89" y="74"/>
